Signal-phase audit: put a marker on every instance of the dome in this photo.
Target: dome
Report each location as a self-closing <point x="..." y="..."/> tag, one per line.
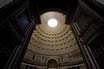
<point x="53" y="41"/>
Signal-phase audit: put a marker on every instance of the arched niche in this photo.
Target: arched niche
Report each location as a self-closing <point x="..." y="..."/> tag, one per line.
<point x="52" y="64"/>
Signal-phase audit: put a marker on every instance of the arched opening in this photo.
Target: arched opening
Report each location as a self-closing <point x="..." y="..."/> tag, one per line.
<point x="52" y="64"/>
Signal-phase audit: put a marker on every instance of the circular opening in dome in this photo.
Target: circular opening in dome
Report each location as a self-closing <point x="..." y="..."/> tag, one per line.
<point x="52" y="22"/>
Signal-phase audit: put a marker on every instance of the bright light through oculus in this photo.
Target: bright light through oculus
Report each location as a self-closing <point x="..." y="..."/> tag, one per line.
<point x="52" y="22"/>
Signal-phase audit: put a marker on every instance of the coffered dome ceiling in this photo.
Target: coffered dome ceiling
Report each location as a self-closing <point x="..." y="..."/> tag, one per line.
<point x="52" y="41"/>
